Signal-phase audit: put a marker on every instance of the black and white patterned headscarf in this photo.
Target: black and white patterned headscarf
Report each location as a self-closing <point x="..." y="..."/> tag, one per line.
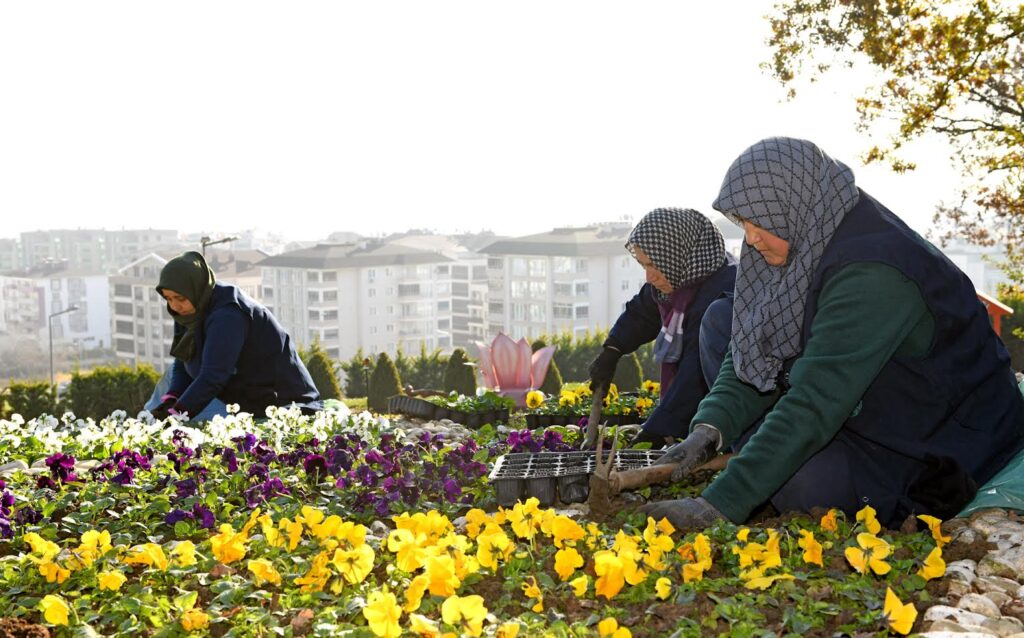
<point x="792" y="189"/>
<point x="683" y="244"/>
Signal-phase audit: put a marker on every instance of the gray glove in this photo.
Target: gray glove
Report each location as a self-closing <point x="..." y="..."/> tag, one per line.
<point x="693" y="451"/>
<point x="685" y="514"/>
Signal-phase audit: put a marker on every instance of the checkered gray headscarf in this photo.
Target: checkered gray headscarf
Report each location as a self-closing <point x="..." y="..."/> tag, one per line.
<point x="792" y="189"/>
<point x="683" y="244"/>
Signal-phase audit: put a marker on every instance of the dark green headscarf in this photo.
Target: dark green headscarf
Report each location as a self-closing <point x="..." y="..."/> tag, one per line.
<point x="189" y="276"/>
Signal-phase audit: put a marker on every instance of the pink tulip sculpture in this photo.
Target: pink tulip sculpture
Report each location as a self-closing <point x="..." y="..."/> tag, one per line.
<point x="511" y="368"/>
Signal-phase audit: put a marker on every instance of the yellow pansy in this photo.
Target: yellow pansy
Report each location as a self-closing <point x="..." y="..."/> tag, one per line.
<point x="476" y="519"/>
<point x="829" y="522"/>
<point x="110" y="580"/>
<point x="567" y="560"/>
<point x="354" y="565"/>
<point x="870" y="554"/>
<point x="47" y="550"/>
<point x="742" y="534"/>
<point x="759" y="581"/>
<point x="54" y="573"/>
<point x="532" y="590"/>
<point x="292" y="529"/>
<point x="229" y="546"/>
<point x="509" y="629"/>
<point x="194" y="619"/>
<point x="382" y="614"/>
<point x="493" y="543"/>
<point x="423" y="626"/>
<point x="579" y="585"/>
<point x="867" y="516"/>
<point x="440" y="571"/>
<point x="609" y="628"/>
<point x="568" y="398"/>
<point x="812" y="548"/>
<point x="317" y="576"/>
<point x="94" y="544"/>
<point x="414" y="592"/>
<point x="184" y="554"/>
<point x="901" y="617"/>
<point x="934" y="566"/>
<point x="466" y="612"/>
<point x="410" y="555"/>
<point x="610" y="577"/>
<point x="655" y="539"/>
<point x="149" y="554"/>
<point x="270" y="532"/>
<point x="935" y="527"/>
<point x="54" y="609"/>
<point x="563" y="529"/>
<point x="701" y="559"/>
<point x="651" y="387"/>
<point x="263" y="571"/>
<point x="663" y="587"/>
<point x="534" y="399"/>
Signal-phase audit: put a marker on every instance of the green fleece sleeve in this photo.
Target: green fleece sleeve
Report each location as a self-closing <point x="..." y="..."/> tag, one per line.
<point x="866" y="313"/>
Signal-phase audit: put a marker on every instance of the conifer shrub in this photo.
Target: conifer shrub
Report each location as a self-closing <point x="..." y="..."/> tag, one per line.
<point x="458" y="376"/>
<point x="384" y="383"/>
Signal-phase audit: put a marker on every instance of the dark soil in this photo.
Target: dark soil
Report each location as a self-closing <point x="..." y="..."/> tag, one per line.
<point x="21" y="628"/>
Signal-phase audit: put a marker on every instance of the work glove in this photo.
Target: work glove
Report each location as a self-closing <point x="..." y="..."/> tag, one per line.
<point x="166" y="407"/>
<point x="684" y="514"/>
<point x="693" y="451"/>
<point x="603" y="368"/>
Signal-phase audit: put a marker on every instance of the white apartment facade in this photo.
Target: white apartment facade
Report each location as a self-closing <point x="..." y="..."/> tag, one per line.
<point x="567" y="279"/>
<point x="374" y="295"/>
<point x="91" y="250"/>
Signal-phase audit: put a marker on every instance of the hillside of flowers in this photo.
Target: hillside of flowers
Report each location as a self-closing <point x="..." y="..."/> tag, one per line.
<point x="350" y="524"/>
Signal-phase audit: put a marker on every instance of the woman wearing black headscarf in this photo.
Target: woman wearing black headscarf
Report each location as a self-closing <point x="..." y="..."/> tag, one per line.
<point x="867" y="351"/>
<point x="226" y="346"/>
<point x="687" y="268"/>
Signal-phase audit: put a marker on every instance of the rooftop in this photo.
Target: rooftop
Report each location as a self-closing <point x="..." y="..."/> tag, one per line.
<point x="597" y="239"/>
<point x="353" y="255"/>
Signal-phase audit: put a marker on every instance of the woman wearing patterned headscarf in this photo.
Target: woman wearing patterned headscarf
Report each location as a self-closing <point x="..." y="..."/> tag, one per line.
<point x="226" y="346"/>
<point x="687" y="268"/>
<point x="867" y="351"/>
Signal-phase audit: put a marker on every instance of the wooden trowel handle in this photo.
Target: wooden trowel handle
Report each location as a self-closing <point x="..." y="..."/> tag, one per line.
<point x="642" y="477"/>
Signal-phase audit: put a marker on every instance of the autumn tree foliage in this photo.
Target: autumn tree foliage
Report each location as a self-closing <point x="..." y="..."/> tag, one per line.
<point x="953" y="68"/>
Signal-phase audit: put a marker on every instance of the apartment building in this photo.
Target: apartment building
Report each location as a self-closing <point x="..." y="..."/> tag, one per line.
<point x="567" y="279"/>
<point x="140" y="326"/>
<point x="10" y="255"/>
<point x="89" y="250"/>
<point x="87" y="327"/>
<point x="21" y="307"/>
<point x="372" y="294"/>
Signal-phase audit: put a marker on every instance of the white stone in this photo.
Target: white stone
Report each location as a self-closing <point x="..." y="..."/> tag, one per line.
<point x="964" y="535"/>
<point x="979" y="604"/>
<point x="958" y="588"/>
<point x="988" y="521"/>
<point x="958" y="633"/>
<point x="963" y="570"/>
<point x="1005" y="626"/>
<point x="959" y="616"/>
<point x="1006" y="563"/>
<point x="39" y="463"/>
<point x="998" y="597"/>
<point x="86" y="465"/>
<point x="997" y="583"/>
<point x="14" y="466"/>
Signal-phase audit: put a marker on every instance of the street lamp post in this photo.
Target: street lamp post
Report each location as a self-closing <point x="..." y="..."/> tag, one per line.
<point x="206" y="241"/>
<point x="49" y="322"/>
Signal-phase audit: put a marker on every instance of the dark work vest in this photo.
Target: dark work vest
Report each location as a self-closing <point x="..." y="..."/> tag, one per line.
<point x="960" y="401"/>
<point x="269" y="371"/>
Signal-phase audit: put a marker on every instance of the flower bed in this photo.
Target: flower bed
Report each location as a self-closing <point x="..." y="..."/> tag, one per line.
<point x="324" y="525"/>
<point x="473" y="412"/>
<point x="574" y="403"/>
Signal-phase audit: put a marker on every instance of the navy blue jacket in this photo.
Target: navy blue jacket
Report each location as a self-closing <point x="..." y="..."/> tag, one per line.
<point x="640" y="323"/>
<point x="243" y="356"/>
<point x="957" y="409"/>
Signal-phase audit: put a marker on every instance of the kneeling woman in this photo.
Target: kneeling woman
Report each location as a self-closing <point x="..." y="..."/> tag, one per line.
<point x="226" y="346"/>
<point x="867" y="351"/>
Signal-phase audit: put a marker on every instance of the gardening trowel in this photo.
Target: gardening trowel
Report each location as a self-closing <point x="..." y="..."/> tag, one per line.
<point x="606" y="482"/>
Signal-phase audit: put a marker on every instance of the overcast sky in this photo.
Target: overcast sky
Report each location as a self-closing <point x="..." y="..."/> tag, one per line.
<point x="311" y="117"/>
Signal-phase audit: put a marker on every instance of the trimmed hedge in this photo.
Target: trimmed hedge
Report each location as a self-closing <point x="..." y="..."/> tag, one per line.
<point x="104" y="389"/>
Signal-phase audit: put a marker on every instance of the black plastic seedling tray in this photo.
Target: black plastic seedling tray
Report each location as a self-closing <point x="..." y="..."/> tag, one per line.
<point x="520" y="475"/>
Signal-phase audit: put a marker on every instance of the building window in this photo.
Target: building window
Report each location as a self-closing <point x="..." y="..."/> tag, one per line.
<point x="330" y="275"/>
<point x="330" y="295"/>
<point x="561" y="311"/>
<point x="373" y="330"/>
<point x="625" y="284"/>
<point x="389" y="328"/>
<point x="330" y="334"/>
<point x="538" y="268"/>
<point x="582" y="311"/>
<point x="443" y="305"/>
<point x="495" y="263"/>
<point x="581" y="265"/>
<point x="441" y="269"/>
<point x="313" y="296"/>
<point x="561" y="265"/>
<point x="371" y="274"/>
<point x="312" y="275"/>
<point x="519" y="268"/>
<point x="330" y="315"/>
<point x="372" y="292"/>
<point x="373" y="311"/>
<point x="582" y="288"/>
<point x="314" y="315"/>
<point x="562" y="290"/>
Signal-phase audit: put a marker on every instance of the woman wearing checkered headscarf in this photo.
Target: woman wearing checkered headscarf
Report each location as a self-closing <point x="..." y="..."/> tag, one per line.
<point x="687" y="268"/>
<point x="866" y="351"/>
